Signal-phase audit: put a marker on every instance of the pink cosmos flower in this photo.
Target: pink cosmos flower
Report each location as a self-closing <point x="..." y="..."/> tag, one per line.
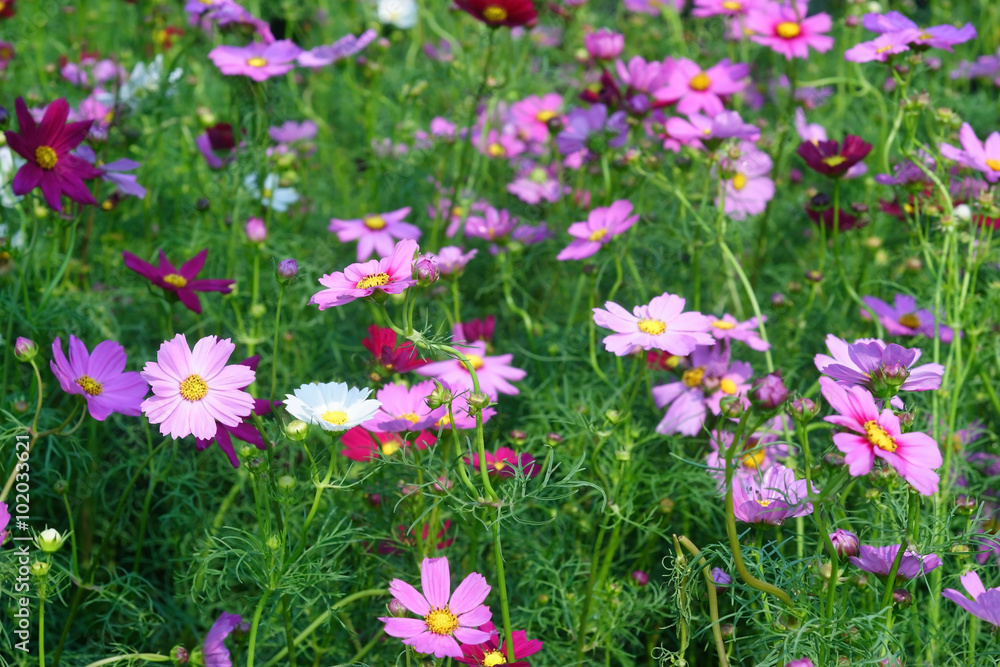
<point x="904" y="319"/>
<point x="652" y="7"/>
<point x="641" y="79"/>
<point x="801" y="662"/>
<point x="375" y="232"/>
<point x="494" y="650"/>
<point x="728" y="327"/>
<point x="403" y="409"/>
<point x="345" y="47"/>
<point x="362" y="445"/>
<point x="535" y="184"/>
<point x="914" y="455"/>
<point x="179" y="281"/>
<point x="732" y="8"/>
<point x="699" y="128"/>
<point x="214" y="652"/>
<point x="495" y="373"/>
<point x="194" y="389"/>
<point x="604" y="44"/>
<point x="981" y="156"/>
<point x="506" y="462"/>
<point x="451" y="260"/>
<point x="389" y="275"/>
<point x="492" y="225"/>
<point x="750" y="189"/>
<point x="710" y="378"/>
<point x="882" y="47"/>
<point x="500" y="144"/>
<point x="778" y="27"/>
<point x="985" y="603"/>
<point x="660" y="325"/>
<point x="4" y="522"/>
<point x="938" y="37"/>
<point x="602" y="225"/>
<point x="879" y="560"/>
<point x="762" y="450"/>
<point x="446" y="616"/>
<point x="531" y="116"/>
<point x="100" y="377"/>
<point x="256" y="60"/>
<point x="696" y="90"/>
<point x="772" y="498"/>
<point x="245" y="430"/>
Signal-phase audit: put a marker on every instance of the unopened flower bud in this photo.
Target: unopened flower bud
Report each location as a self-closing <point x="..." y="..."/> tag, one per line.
<point x="256" y="231"/>
<point x="179" y="655"/>
<point x="813" y="276"/>
<point x="478" y="401"/>
<point x="20" y="407"/>
<point x="274" y="543"/>
<point x="286" y="271"/>
<point x="905" y="420"/>
<point x="640" y="578"/>
<point x="286" y="482"/>
<point x="553" y="439"/>
<point x="50" y="540"/>
<point x="297" y="430"/>
<point x="727" y="630"/>
<point x="25" y="350"/>
<point x="518" y="436"/>
<point x="852" y="21"/>
<point x="374" y="499"/>
<point x="833" y="459"/>
<point x="440" y="396"/>
<point x="201" y="204"/>
<point x="40" y="568"/>
<point x="769" y="391"/>
<point x="778" y="300"/>
<point x="825" y="571"/>
<point x="966" y="504"/>
<point x="721" y="578"/>
<point x="60" y="487"/>
<point x="396" y="608"/>
<point x="613" y="416"/>
<point x="845" y="543"/>
<point x="666" y="506"/>
<point x="887" y="379"/>
<point x="623" y="456"/>
<point x="427" y="269"/>
<point x="804" y="409"/>
<point x="902" y="598"/>
<point x="4" y="117"/>
<point x="732" y="407"/>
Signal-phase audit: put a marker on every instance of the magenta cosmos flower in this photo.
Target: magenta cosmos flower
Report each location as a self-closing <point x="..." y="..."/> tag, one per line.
<point x="495" y="373"/>
<point x="214" y="651"/>
<point x="882" y="47"/>
<point x="985" y="604"/>
<point x="180" y="281"/>
<point x="46" y="148"/>
<point x="784" y="29"/>
<point x="914" y="455"/>
<point x="981" y="156"/>
<point x="100" y="377"/>
<point x="698" y="128"/>
<point x="883" y="369"/>
<point x="604" y="44"/>
<point x="494" y="650"/>
<point x="256" y="60"/>
<point x="661" y="325"/>
<point x="833" y="159"/>
<point x="195" y="389"/>
<point x="375" y="233"/>
<point x="403" y="408"/>
<point x="602" y="225"/>
<point x="362" y="445"/>
<point x="506" y="462"/>
<point x="878" y="560"/>
<point x="772" y="498"/>
<point x="446" y="616"/>
<point x="389" y="275"/>
<point x="904" y="319"/>
<point x="696" y="90"/>
<point x="244" y="431"/>
<point x="531" y="116"/>
<point x="702" y="387"/>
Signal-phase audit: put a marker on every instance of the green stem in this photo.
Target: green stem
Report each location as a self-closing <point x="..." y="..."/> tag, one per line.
<point x="713" y="599"/>
<point x="148" y="657"/>
<point x="252" y="643"/>
<point x="274" y="352"/>
<point x="504" y="602"/>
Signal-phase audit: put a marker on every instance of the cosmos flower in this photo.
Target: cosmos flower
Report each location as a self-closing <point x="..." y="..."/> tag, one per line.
<point x="46" y="148"/>
<point x="271" y="196"/>
<point x="505" y="462"/>
<point x="531" y="116"/>
<point x="194" y="390"/>
<point x="381" y="342"/>
<point x="979" y="155"/>
<point x="291" y="131"/>
<point x="883" y="369"/>
<point x="832" y="159"/>
<point x="100" y="377"/>
<point x="786" y="29"/>
<point x="7" y="54"/>
<point x="938" y="37"/>
<point x="493" y="225"/>
<point x="602" y="225"/>
<point x="345" y="47"/>
<point x="363" y="445"/>
<point x="496" y="13"/>
<point x="4" y="522"/>
<point x="904" y="319"/>
<point x="331" y="405"/>
<point x="761" y="450"/>
<point x="594" y="130"/>
<point x="214" y="651"/>
<point x="985" y="603"/>
<point x="660" y="325"/>
<point x="772" y="498"/>
<point x="698" y="128"/>
<point x="879" y="560"/>
<point x="389" y="275"/>
<point x="870" y="433"/>
<point x="494" y="650"/>
<point x="446" y="616"/>
<point x="179" y="281"/>
<point x="475" y="330"/>
<point x="399" y="13"/>
<point x="728" y="327"/>
<point x="495" y="373"/>
<point x="404" y="408"/>
<point x="710" y="378"/>
<point x="604" y="44"/>
<point x="256" y="60"/>
<point x="882" y="47"/>
<point x="750" y="188"/>
<point x="701" y="91"/>
<point x="535" y="184"/>
<point x="217" y="145"/>
<point x="652" y="7"/>
<point x="244" y="431"/>
<point x="114" y="172"/>
<point x="375" y="232"/>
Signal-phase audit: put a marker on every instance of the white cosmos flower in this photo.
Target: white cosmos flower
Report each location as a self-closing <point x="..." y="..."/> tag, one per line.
<point x="331" y="405"/>
<point x="145" y="80"/>
<point x="400" y="13"/>
<point x="9" y="164"/>
<point x="272" y="197"/>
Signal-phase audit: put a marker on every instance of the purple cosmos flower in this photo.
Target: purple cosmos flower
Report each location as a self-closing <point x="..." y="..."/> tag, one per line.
<point x="702" y="387"/>
<point x="445" y="616"/>
<point x="492" y="225"/>
<point x="728" y="327"/>
<point x="660" y="325"/>
<point x="698" y="128"/>
<point x="981" y="156"/>
<point x="180" y="281"/>
<point x="904" y="319"/>
<point x="495" y="373"/>
<point x="721" y="578"/>
<point x="403" y="409"/>
<point x="882" y="47"/>
<point x="937" y="37"/>
<point x="594" y="130"/>
<point x="114" y="172"/>
<point x="762" y="449"/>
<point x="345" y="47"/>
<point x="602" y="225"/>
<point x="226" y="13"/>
<point x="702" y="91"/>
<point x="771" y="499"/>
<point x="375" y="233"/>
<point x="535" y="184"/>
<point x="451" y="259"/>
<point x="256" y="60"/>
<point x="985" y="603"/>
<point x="214" y="651"/>
<point x="290" y="131"/>
<point x="604" y="44"/>
<point x="389" y="275"/>
<point x="907" y="172"/>
<point x="878" y="560"/>
<point x="883" y="369"/>
<point x="750" y="189"/>
<point x="245" y="430"/>
<point x="100" y="377"/>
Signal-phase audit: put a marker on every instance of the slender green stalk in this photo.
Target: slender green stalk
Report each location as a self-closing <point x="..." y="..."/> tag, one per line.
<point x="274" y="349"/>
<point x="252" y="642"/>
<point x="148" y="657"/>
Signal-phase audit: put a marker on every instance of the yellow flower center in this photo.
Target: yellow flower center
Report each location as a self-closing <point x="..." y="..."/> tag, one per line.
<point x="883" y="49"/>
<point x="692" y="377"/>
<point x="728" y="386"/>
<point x="267" y="193"/>
<point x="494" y="14"/>
<point x="545" y="116"/>
<point x="496" y="150"/>
<point x="374" y="280"/>
<point x="411" y="417"/>
<point x="878" y="437"/>
<point x="652" y="327"/>
<point x="257" y="61"/>
<point x="707" y="131"/>
<point x="194" y="388"/>
<point x="739" y="182"/>
<point x="46" y="157"/>
<point x="925" y="36"/>
<point x="700" y="82"/>
<point x="5" y="53"/>
<point x="375" y="222"/>
<point x="441" y="621"/>
<point x="335" y="417"/>
<point x="834" y="160"/>
<point x="175" y="280"/>
<point x="491" y="658"/>
<point x="754" y="460"/>
<point x="722" y="324"/>
<point x="390" y="448"/>
<point x="499" y="465"/>
<point x="732" y="6"/>
<point x="2" y="6"/>
<point x="457" y="211"/>
<point x="910" y="320"/>
<point x="993" y="164"/>
<point x="475" y="360"/>
<point x="788" y="30"/>
<point x="763" y="503"/>
<point x="444" y="421"/>
<point x="597" y="235"/>
<point x="107" y="205"/>
<point x="90" y="385"/>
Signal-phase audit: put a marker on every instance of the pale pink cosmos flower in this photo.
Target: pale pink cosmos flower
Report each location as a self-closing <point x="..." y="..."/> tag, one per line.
<point x="710" y="378"/>
<point x="194" y="389"/>
<point x="500" y="144"/>
<point x="403" y="409"/>
<point x="786" y="29"/>
<point x="976" y="154"/>
<point x="644" y="77"/>
<point x="100" y="377"/>
<point x="535" y="184"/>
<point x="495" y="373"/>
<point x="375" y="233"/>
<point x="728" y="327"/>
<point x="531" y="116"/>
<point x="256" y="60"/>
<point x="735" y="9"/>
<point x="696" y="90"/>
<point x="446" y="616"/>
<point x="494" y="224"/>
<point x="451" y="259"/>
<point x="914" y="455"/>
<point x="698" y="128"/>
<point x="660" y="325"/>
<point x="389" y="275"/>
<point x="750" y="189"/>
<point x="882" y="47"/>
<point x="602" y="225"/>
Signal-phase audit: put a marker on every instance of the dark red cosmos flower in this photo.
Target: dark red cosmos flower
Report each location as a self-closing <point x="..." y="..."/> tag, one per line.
<point x="6" y="9"/>
<point x="408" y="540"/>
<point x="382" y="344"/>
<point x="818" y="212"/>
<point x="180" y="281"/>
<point x="474" y="330"/>
<point x="46" y="147"/>
<point x="495" y="13"/>
<point x="245" y="430"/>
<point x="505" y="461"/>
<point x="490" y="652"/>
<point x="830" y="158"/>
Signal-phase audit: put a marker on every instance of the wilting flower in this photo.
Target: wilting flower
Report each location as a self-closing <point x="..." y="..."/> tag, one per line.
<point x="882" y="47"/>
<point x="194" y="391"/>
<point x="702" y="387"/>
<point x="245" y="430"/>
<point x="375" y="232"/>
<point x="728" y="327"/>
<point x="659" y="325"/>
<point x="771" y="499"/>
<point x="879" y="560"/>
<point x="271" y="196"/>
<point x="883" y="369"/>
<point x="331" y="405"/>
<point x="180" y="281"/>
<point x="345" y="47"/>
<point x="785" y="29"/>
<point x="100" y="377"/>
<point x="832" y="159"/>
<point x="257" y="60"/>
<point x="403" y="409"/>
<point x="363" y="445"/>
<point x="214" y="651"/>
<point x="381" y="342"/>
<point x="594" y="130"/>
<point x="495" y="373"/>
<point x="602" y="225"/>
<point x="914" y="455"/>
<point x="389" y="275"/>
<point x="938" y="37"/>
<point x="445" y="616"/>
<point x="985" y="603"/>
<point x="701" y="91"/>
<point x="496" y="13"/>
<point x="904" y="319"/>
<point x="506" y="461"/>
<point x="494" y="651"/>
<point x="46" y="148"/>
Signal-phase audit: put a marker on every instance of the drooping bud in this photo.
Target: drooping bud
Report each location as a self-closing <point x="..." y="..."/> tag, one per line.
<point x="25" y="350"/>
<point x="845" y="543"/>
